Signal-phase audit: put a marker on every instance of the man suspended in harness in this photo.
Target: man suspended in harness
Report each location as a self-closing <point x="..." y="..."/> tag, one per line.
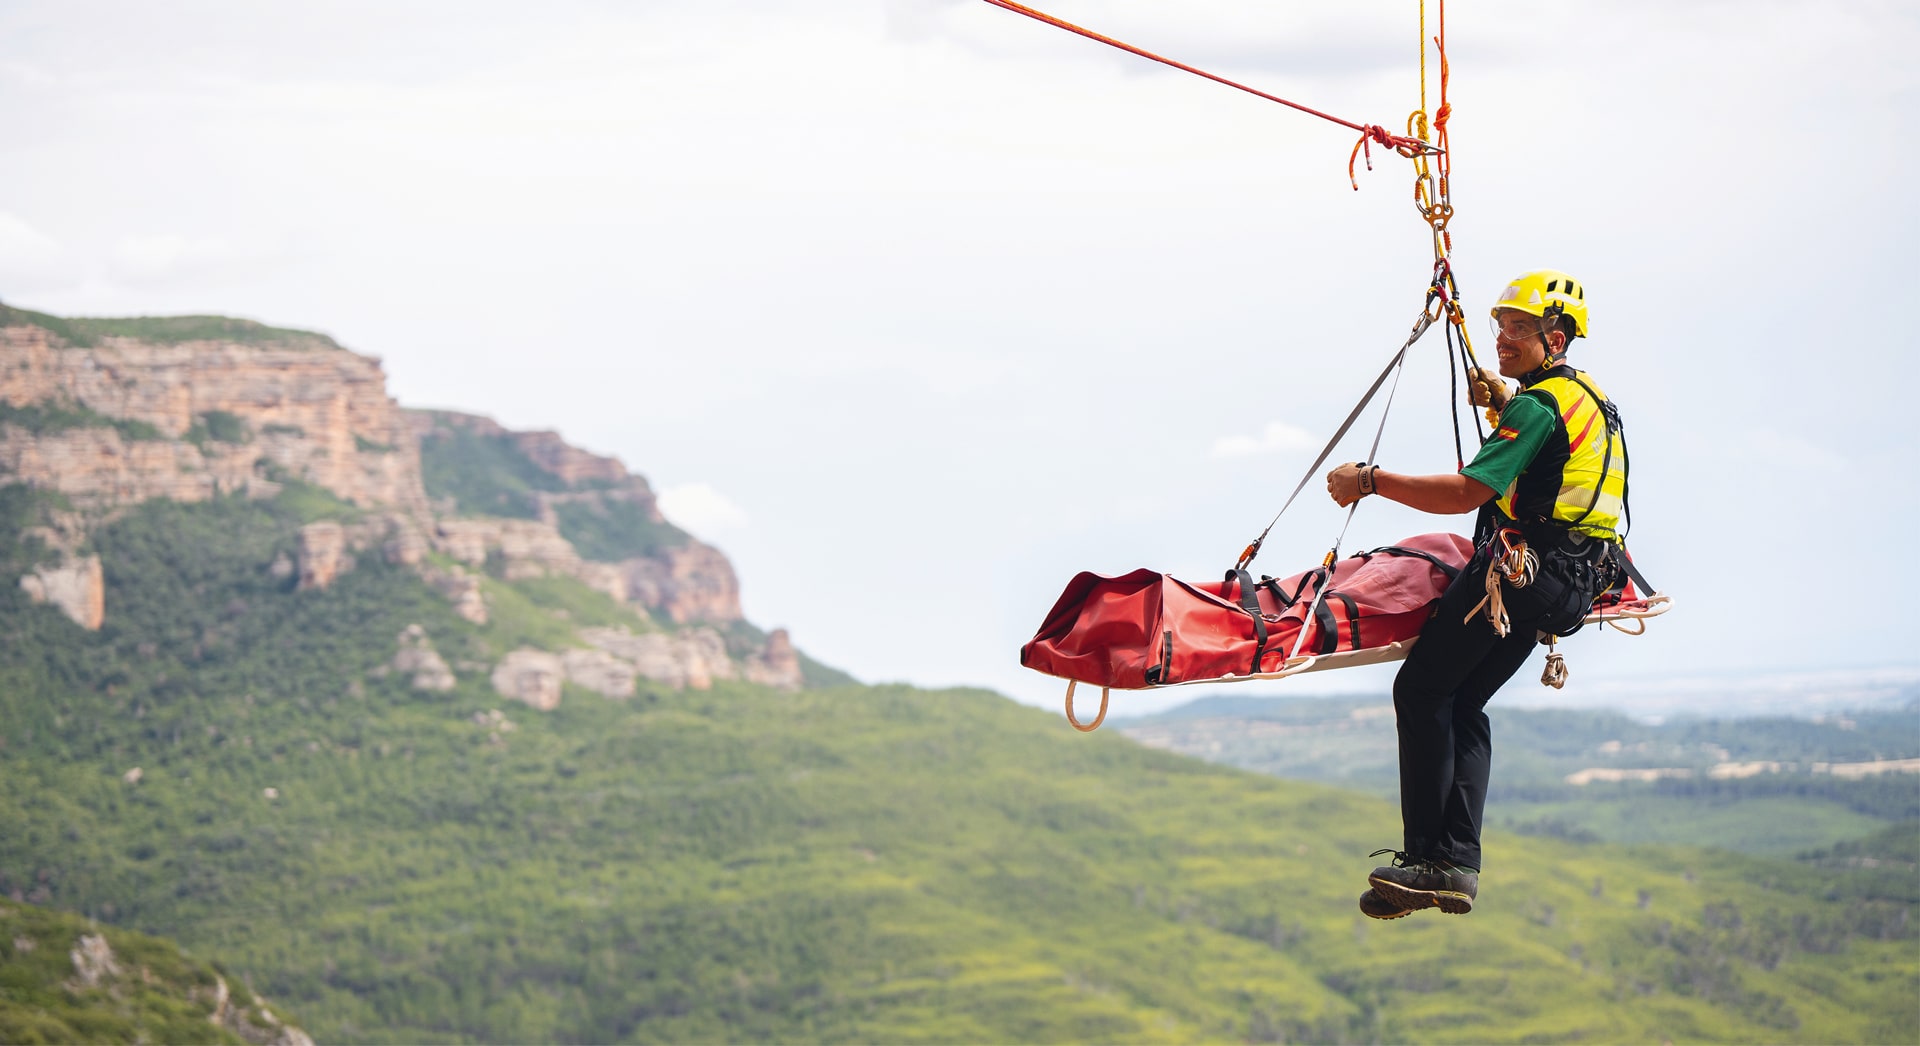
<point x="1550" y="483"/>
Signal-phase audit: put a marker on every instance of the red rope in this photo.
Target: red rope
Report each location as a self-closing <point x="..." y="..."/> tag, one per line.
<point x="1369" y="133"/>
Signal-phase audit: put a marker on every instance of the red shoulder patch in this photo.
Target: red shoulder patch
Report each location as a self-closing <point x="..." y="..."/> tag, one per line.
<point x="1506" y="432"/>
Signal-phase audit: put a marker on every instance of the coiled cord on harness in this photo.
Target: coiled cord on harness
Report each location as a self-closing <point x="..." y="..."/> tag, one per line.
<point x="1513" y="563"/>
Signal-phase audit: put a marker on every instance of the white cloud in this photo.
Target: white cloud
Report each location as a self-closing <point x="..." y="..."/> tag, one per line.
<point x="1277" y="438"/>
<point x="170" y="258"/>
<point x="700" y="508"/>
<point x="30" y="260"/>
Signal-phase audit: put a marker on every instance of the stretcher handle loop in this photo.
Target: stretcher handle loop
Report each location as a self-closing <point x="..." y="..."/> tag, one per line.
<point x="1097" y="720"/>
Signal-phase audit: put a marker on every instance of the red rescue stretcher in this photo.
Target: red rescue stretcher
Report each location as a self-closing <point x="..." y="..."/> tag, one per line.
<point x="1145" y="630"/>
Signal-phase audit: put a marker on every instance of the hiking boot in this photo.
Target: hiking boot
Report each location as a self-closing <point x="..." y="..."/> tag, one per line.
<point x="1374" y="906"/>
<point x="1414" y="883"/>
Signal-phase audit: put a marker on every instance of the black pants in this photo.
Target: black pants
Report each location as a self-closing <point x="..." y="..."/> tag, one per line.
<point x="1446" y="742"/>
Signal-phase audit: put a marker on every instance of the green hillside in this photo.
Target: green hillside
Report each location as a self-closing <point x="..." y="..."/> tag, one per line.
<point x="65" y="978"/>
<point x="1783" y="808"/>
<point x="740" y="864"/>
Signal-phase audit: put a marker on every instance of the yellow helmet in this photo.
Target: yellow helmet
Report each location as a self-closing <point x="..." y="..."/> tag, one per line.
<point x="1544" y="293"/>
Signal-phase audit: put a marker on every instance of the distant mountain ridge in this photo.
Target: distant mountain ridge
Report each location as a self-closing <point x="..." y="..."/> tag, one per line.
<point x="106" y="414"/>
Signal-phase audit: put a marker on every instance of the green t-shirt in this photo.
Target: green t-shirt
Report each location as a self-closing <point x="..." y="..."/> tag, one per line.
<point x="1524" y="427"/>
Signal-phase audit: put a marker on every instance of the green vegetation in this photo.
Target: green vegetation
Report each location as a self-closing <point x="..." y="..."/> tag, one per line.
<point x="483" y="474"/>
<point x="744" y="638"/>
<point x="84" y="332"/>
<point x="1351" y="741"/>
<point x="610" y="529"/>
<point x="571" y="600"/>
<point x="870" y="864"/>
<point x="156" y="992"/>
<point x="306" y="502"/>
<point x="218" y="426"/>
<point x="489" y="474"/>
<point x="46" y="418"/>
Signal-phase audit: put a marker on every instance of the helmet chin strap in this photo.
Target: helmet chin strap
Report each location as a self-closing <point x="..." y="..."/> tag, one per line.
<point x="1550" y="321"/>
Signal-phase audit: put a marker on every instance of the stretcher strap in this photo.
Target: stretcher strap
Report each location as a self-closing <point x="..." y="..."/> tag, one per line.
<point x="1250" y="602"/>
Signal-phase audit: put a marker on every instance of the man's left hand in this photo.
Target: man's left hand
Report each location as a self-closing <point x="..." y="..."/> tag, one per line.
<point x="1344" y="483"/>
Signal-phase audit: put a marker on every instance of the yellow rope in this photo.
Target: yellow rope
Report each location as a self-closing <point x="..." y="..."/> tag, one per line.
<point x="1423" y="66"/>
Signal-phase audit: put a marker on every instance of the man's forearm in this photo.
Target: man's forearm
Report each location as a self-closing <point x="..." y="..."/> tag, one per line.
<point x="1446" y="495"/>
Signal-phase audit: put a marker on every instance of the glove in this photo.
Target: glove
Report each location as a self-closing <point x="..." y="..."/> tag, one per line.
<point x="1486" y="388"/>
<point x="1350" y="482"/>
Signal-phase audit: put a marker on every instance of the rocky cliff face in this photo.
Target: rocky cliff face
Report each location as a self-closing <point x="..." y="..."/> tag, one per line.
<point x="109" y="420"/>
<point x="586" y="516"/>
<point x="303" y="408"/>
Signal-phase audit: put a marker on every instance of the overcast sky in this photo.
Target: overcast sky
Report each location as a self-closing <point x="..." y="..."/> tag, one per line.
<point x="916" y="308"/>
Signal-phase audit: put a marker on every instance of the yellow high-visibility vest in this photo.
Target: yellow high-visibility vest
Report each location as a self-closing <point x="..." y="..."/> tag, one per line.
<point x="1593" y="481"/>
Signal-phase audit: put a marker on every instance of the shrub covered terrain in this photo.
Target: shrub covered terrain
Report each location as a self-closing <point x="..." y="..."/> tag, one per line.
<point x="858" y="863"/>
<point x="65" y="978"/>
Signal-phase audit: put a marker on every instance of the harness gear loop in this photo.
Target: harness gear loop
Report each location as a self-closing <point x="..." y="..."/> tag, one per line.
<point x="1515" y="564"/>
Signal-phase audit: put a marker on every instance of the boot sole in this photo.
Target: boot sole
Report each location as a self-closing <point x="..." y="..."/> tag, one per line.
<point x="1397" y="913"/>
<point x="1451" y="902"/>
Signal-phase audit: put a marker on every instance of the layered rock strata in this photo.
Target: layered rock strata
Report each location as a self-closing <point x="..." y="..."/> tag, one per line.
<point x="122" y="420"/>
<point x="314" y="410"/>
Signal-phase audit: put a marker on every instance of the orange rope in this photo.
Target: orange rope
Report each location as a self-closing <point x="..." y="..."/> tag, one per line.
<point x="1369" y="133"/>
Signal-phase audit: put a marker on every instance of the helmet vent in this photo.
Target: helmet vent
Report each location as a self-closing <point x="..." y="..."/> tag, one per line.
<point x="1552" y="285"/>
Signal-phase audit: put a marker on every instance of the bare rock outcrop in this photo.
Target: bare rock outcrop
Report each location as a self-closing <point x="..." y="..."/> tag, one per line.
<point x="776" y="665"/>
<point x="461" y="589"/>
<point x="600" y="672"/>
<point x="691" y="659"/>
<point x="527" y="547"/>
<point x="420" y="662"/>
<point x="686" y="583"/>
<point x="531" y="676"/>
<point x="98" y="468"/>
<point x="572" y="465"/>
<point x="256" y="1025"/>
<point x="93" y="961"/>
<point x="309" y="407"/>
<point x="323" y="554"/>
<point x="76" y="585"/>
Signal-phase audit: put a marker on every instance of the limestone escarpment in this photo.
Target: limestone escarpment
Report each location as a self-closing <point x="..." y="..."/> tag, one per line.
<point x="309" y="410"/>
<point x="581" y="515"/>
<point x="107" y="414"/>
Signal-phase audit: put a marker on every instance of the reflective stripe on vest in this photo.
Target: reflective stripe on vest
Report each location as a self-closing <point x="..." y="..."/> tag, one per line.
<point x="1588" y="501"/>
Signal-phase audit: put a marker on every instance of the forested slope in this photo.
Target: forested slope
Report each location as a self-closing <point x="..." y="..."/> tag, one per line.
<point x="873" y="864"/>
